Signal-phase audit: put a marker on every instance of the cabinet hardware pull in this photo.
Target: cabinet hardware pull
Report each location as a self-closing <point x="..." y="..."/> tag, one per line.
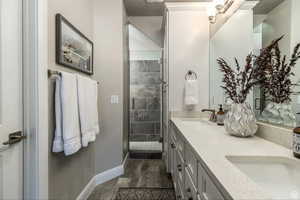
<point x="205" y="196"/>
<point x="199" y="197"/>
<point x="179" y="167"/>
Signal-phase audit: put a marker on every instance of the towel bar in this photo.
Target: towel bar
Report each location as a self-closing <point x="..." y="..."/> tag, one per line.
<point x="58" y="73"/>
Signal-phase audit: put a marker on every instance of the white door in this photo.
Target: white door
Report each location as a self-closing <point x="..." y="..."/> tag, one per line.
<point x="11" y="158"/>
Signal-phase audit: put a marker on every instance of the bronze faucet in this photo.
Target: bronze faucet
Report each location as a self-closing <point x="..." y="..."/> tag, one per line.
<point x="213" y="117"/>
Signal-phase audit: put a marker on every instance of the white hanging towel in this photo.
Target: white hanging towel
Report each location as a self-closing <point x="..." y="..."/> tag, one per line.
<point x="191" y="92"/>
<point x="58" y="144"/>
<point x="67" y="116"/>
<point x="88" y="109"/>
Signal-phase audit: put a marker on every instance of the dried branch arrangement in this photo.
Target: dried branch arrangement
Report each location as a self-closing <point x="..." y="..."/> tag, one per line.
<point x="271" y="71"/>
<point x="238" y="83"/>
<point x="278" y="71"/>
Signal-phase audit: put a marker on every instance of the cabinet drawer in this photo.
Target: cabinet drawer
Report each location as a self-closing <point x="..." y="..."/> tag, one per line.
<point x="190" y="188"/>
<point x="180" y="144"/>
<point x="191" y="163"/>
<point x="179" y="168"/>
<point x="172" y="159"/>
<point x="180" y="193"/>
<point x="206" y="187"/>
<point x="173" y="132"/>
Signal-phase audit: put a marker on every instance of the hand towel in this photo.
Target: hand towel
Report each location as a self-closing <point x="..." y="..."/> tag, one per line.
<point x="191" y="92"/>
<point x="88" y="109"/>
<point x="58" y="144"/>
<point x="70" y="116"/>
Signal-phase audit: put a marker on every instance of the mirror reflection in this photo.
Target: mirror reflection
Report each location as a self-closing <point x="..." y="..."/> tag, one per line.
<point x="250" y="31"/>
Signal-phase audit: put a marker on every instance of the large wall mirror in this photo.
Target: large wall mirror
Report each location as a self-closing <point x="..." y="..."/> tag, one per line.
<point x="251" y="28"/>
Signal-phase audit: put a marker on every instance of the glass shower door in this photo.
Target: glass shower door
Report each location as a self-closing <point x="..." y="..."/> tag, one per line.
<point x="145" y="106"/>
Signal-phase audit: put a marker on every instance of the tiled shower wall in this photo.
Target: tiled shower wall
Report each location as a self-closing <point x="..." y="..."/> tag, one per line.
<point x="144" y="100"/>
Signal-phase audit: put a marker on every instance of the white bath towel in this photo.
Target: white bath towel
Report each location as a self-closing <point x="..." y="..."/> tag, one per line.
<point x="88" y="109"/>
<point x="67" y="116"/>
<point x="191" y="92"/>
<point x="58" y="144"/>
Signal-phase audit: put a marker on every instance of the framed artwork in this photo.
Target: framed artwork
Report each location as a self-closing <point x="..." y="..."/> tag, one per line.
<point x="73" y="49"/>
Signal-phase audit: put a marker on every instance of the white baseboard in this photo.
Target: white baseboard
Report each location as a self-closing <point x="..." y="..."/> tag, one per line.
<point x="109" y="175"/>
<point x="102" y="178"/>
<point x="87" y="190"/>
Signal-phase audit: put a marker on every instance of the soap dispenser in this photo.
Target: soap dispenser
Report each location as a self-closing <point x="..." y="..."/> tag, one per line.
<point x="220" y="116"/>
<point x="296" y="142"/>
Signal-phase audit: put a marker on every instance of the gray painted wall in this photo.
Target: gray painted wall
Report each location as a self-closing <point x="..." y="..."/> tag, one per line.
<point x="68" y="175"/>
<point x="150" y="26"/>
<point x="109" y="70"/>
<point x="104" y="23"/>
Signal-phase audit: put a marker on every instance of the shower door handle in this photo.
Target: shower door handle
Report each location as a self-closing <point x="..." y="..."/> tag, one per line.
<point x="164" y="83"/>
<point x="133" y="103"/>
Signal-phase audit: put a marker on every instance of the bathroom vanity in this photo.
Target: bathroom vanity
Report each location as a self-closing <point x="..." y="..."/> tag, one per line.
<point x="205" y="162"/>
<point x="208" y="164"/>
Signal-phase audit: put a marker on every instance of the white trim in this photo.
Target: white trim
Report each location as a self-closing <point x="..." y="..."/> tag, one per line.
<point x="109" y="175"/>
<point x="87" y="191"/>
<point x="43" y="104"/>
<point x="181" y="6"/>
<point x="35" y="95"/>
<point x="102" y="178"/>
<point x="125" y="161"/>
<point x="99" y="179"/>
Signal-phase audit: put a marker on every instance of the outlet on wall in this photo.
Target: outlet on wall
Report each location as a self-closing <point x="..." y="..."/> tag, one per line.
<point x="114" y="99"/>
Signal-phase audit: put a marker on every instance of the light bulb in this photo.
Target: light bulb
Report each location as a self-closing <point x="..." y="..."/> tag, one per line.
<point x="211" y="10"/>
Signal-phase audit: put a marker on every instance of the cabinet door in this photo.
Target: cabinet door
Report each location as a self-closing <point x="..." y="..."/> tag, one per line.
<point x="206" y="187"/>
<point x="190" y="189"/>
<point x="179" y="167"/>
<point x="191" y="163"/>
<point x="172" y="160"/>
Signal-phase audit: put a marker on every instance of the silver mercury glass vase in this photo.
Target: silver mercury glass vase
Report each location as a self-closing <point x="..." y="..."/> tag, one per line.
<point x="240" y="121"/>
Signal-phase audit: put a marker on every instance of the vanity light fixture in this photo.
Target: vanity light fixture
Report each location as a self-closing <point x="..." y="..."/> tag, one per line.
<point x="225" y="7"/>
<point x="218" y="7"/>
<point x="212" y="13"/>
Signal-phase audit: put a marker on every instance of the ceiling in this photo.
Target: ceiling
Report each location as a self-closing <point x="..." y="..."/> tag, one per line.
<point x="141" y="8"/>
<point x="265" y="6"/>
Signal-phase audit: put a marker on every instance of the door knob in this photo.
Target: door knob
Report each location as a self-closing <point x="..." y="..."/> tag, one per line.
<point x="14" y="138"/>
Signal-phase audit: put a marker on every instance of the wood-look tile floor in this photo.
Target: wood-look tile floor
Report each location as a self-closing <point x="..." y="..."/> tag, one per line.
<point x="138" y="173"/>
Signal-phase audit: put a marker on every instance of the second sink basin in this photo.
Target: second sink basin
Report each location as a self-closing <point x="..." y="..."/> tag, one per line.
<point x="278" y="176"/>
<point x="193" y="121"/>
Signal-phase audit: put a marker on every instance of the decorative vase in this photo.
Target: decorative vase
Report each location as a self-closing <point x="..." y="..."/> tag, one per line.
<point x="279" y="113"/>
<point x="240" y="120"/>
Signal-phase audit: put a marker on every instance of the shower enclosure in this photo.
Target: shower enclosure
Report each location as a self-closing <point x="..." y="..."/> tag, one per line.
<point x="145" y="136"/>
<point x="145" y="104"/>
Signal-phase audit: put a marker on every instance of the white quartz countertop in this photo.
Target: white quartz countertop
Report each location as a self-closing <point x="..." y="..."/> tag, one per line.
<point x="213" y="144"/>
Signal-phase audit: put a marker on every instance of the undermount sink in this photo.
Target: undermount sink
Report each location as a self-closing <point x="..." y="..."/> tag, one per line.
<point x="278" y="176"/>
<point x="193" y="121"/>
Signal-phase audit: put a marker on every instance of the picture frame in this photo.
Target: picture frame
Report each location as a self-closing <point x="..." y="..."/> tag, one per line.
<point x="73" y="49"/>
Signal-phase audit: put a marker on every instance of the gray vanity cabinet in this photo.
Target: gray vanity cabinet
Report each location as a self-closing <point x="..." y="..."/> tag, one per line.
<point x="190" y="178"/>
<point x="206" y="187"/>
<point x="190" y="188"/>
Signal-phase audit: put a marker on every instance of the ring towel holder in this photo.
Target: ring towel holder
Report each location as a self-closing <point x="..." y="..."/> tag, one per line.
<point x="191" y="75"/>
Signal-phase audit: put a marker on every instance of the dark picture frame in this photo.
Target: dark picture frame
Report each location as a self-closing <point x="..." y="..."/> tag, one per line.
<point x="73" y="49"/>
